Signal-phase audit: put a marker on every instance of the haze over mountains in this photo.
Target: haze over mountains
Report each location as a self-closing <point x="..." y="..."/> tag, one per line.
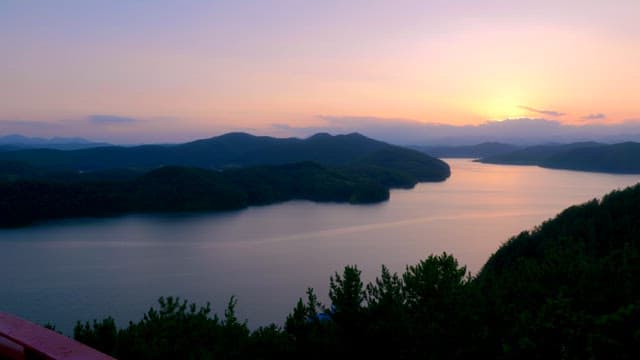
<point x="524" y="131"/>
<point x="16" y="142"/>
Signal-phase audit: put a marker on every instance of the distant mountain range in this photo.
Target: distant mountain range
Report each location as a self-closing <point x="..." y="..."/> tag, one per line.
<point x="523" y="131"/>
<point x="467" y="151"/>
<point x="231" y="171"/>
<point x="623" y="158"/>
<point x="16" y="142"/>
<point x="240" y="150"/>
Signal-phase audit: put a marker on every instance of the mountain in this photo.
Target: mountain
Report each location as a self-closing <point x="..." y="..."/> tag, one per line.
<point x="568" y="286"/>
<point x="227" y="172"/>
<point x="469" y="151"/>
<point x="241" y="150"/>
<point x="622" y="158"/>
<point x="522" y="131"/>
<point x="535" y="155"/>
<point x="9" y="147"/>
<point x="16" y="142"/>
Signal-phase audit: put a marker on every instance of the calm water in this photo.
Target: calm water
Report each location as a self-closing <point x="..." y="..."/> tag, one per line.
<point x="83" y="269"/>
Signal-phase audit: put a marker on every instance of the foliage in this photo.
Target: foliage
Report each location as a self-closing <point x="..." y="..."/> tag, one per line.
<point x="177" y="330"/>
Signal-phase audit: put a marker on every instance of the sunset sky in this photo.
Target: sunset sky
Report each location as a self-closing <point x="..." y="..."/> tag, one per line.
<point x="172" y="70"/>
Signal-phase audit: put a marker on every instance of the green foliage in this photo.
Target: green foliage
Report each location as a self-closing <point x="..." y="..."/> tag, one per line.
<point x="101" y="335"/>
<point x="176" y="330"/>
<point x="347" y="291"/>
<point x="182" y="189"/>
<point x="310" y="336"/>
<point x="185" y="189"/>
<point x="170" y="189"/>
<point x="421" y="167"/>
<point x="433" y="280"/>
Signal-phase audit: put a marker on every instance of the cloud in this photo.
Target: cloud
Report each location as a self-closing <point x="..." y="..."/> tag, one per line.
<point x="405" y="131"/>
<point x="284" y="127"/>
<point x="595" y="116"/>
<point x="110" y="119"/>
<point x="544" y="112"/>
<point x="524" y="131"/>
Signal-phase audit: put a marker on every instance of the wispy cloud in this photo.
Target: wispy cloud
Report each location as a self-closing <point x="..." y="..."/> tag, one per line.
<point x="110" y="119"/>
<point x="544" y="112"/>
<point x="595" y="116"/>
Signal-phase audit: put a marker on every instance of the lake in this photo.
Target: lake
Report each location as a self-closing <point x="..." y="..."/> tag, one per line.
<point x="70" y="270"/>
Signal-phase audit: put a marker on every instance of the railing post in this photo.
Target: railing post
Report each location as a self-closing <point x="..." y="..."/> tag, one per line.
<point x="24" y="340"/>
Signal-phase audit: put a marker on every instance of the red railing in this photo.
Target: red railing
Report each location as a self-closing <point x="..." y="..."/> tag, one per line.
<point x="21" y="339"/>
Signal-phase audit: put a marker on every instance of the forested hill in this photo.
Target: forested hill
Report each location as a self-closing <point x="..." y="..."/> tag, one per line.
<point x="568" y="289"/>
<point x="240" y="150"/>
<point x="173" y="189"/>
<point x="535" y="155"/>
<point x="622" y="158"/>
<point x="222" y="173"/>
<point x="599" y="230"/>
<point x="18" y="142"/>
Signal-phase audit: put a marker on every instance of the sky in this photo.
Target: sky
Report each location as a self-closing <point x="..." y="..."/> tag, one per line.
<point x="131" y="71"/>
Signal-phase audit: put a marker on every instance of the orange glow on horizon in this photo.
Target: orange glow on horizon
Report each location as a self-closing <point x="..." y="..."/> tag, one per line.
<point x="226" y="65"/>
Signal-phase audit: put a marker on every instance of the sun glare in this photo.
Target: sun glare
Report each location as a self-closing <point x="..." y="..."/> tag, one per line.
<point x="501" y="108"/>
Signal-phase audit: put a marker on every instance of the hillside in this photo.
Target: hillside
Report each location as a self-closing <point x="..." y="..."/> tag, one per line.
<point x="174" y="189"/>
<point x="17" y="142"/>
<point x="227" y="172"/>
<point x="569" y="286"/>
<point x="468" y="151"/>
<point x="9" y="147"/>
<point x="535" y="155"/>
<point x="623" y="158"/>
<point x="240" y="150"/>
